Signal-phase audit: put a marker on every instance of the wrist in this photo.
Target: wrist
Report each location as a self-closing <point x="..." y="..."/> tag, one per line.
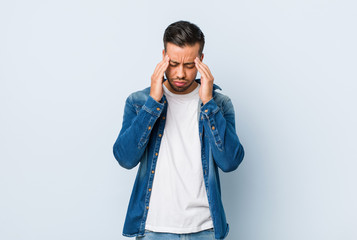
<point x="157" y="99"/>
<point x="206" y="100"/>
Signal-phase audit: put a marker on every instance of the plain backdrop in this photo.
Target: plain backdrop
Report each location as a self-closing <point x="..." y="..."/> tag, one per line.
<point x="66" y="68"/>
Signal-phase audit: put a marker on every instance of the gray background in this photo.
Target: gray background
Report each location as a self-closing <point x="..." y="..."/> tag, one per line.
<point x="66" y="68"/>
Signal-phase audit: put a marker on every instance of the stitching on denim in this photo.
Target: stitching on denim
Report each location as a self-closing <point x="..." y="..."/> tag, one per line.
<point x="145" y="136"/>
<point x="137" y="107"/>
<point x="149" y="111"/>
<point x="217" y="138"/>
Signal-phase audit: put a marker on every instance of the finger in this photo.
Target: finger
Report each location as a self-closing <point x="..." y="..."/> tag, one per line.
<point x="158" y="66"/>
<point x="203" y="71"/>
<point x="198" y="64"/>
<point x="164" y="63"/>
<point x="204" y="68"/>
<point x="161" y="70"/>
<point x="202" y="64"/>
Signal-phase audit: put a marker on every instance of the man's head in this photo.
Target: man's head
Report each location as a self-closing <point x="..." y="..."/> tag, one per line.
<point x="183" y="42"/>
<point x="183" y="33"/>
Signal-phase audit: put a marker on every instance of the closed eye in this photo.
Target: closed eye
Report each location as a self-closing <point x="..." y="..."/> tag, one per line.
<point x="189" y="65"/>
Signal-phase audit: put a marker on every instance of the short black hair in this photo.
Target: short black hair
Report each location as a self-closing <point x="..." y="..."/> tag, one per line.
<point x="183" y="33"/>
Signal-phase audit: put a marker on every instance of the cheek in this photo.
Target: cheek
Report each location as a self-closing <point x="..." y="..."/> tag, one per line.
<point x="192" y="72"/>
<point x="169" y="70"/>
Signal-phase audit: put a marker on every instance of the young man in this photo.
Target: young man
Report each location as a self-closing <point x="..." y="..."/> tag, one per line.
<point x="181" y="131"/>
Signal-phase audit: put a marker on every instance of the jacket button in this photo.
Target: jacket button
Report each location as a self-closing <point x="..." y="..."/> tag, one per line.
<point x="160" y="135"/>
<point x="164" y="101"/>
<point x="152" y="171"/>
<point x="147" y="207"/>
<point x="163" y="118"/>
<point x="213" y="128"/>
<point x="149" y="127"/>
<point x="158" y="109"/>
<point x="206" y="110"/>
<point x="149" y="189"/>
<point x="156" y="154"/>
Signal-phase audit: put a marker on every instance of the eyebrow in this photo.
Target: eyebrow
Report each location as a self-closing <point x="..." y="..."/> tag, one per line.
<point x="188" y="63"/>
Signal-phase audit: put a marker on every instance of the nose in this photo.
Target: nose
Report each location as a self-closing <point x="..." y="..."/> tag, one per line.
<point x="181" y="72"/>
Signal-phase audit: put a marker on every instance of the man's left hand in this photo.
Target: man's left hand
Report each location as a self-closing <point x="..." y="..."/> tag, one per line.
<point x="206" y="88"/>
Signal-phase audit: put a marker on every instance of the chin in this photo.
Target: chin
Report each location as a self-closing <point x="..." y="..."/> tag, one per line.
<point x="180" y="89"/>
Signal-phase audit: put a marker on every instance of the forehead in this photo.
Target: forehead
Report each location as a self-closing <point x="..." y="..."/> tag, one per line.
<point x="177" y="53"/>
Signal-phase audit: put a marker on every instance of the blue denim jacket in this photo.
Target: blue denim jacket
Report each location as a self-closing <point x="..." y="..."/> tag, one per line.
<point x="139" y="142"/>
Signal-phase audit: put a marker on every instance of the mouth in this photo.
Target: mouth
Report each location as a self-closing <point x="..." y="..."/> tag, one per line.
<point x="180" y="83"/>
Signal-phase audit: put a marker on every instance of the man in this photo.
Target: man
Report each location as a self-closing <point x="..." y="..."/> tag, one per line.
<point x="181" y="131"/>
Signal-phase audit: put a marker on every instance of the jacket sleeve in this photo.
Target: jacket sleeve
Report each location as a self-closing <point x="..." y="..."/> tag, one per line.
<point x="135" y="132"/>
<point x="219" y="124"/>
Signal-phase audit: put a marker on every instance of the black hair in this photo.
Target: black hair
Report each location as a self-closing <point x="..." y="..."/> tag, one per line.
<point x="183" y="33"/>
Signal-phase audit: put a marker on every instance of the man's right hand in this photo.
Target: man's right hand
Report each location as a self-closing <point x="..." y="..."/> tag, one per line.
<point x="157" y="79"/>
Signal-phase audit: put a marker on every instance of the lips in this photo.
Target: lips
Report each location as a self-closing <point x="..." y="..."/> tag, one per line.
<point x="179" y="83"/>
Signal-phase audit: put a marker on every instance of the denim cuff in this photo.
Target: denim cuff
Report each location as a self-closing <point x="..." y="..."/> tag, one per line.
<point x="210" y="108"/>
<point x="209" y="111"/>
<point x="153" y="107"/>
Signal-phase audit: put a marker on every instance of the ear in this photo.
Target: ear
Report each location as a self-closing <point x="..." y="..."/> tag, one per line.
<point x="163" y="53"/>
<point x="202" y="55"/>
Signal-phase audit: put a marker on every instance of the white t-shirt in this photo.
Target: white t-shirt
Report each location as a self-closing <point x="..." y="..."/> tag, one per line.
<point x="178" y="202"/>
